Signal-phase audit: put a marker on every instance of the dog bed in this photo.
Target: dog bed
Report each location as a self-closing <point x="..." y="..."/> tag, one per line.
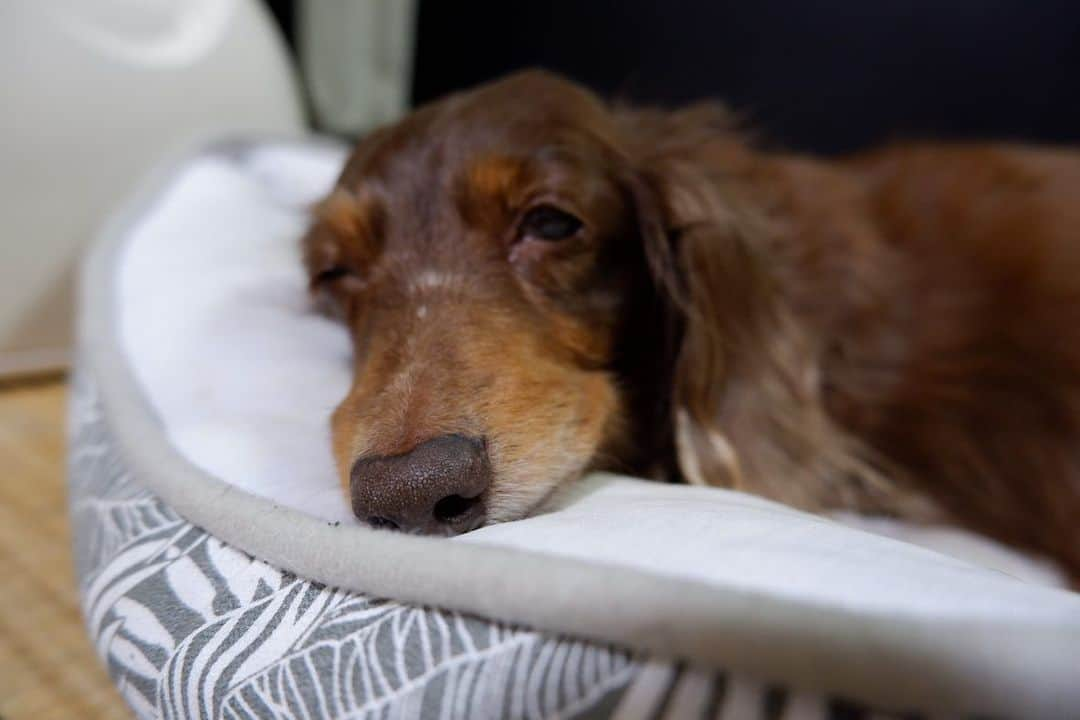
<point x="222" y="575"/>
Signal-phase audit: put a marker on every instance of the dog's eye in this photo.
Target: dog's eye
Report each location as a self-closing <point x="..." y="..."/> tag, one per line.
<point x="330" y="276"/>
<point x="549" y="223"/>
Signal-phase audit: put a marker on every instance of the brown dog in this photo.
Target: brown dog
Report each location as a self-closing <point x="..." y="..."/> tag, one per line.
<point x="538" y="284"/>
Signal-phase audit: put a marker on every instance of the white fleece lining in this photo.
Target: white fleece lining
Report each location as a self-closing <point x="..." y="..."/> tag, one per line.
<point x="212" y="319"/>
<point x="215" y="317"/>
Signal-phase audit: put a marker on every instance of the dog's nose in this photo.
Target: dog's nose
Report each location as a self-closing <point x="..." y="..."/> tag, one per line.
<point x="436" y="488"/>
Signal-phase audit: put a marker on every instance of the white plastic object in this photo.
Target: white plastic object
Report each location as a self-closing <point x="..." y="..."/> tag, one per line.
<point x="93" y="93"/>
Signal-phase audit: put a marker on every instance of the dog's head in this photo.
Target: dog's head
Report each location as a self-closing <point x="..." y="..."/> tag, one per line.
<point x="505" y="262"/>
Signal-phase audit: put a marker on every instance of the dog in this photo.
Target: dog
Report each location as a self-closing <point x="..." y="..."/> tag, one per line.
<point x="538" y="284"/>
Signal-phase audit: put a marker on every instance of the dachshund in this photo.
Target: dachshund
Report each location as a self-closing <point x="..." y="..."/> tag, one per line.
<point x="538" y="284"/>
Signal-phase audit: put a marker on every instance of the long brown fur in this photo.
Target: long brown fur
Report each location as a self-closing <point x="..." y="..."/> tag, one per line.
<point x="897" y="332"/>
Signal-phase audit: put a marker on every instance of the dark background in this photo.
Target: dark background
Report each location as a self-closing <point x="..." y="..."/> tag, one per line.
<point x="818" y="75"/>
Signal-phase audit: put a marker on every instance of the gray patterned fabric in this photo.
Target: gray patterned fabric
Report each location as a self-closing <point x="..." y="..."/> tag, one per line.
<point x="192" y="628"/>
<point x="189" y="627"/>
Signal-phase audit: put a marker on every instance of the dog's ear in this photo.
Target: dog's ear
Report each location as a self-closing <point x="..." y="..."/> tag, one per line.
<point x="746" y="386"/>
<point x="701" y="260"/>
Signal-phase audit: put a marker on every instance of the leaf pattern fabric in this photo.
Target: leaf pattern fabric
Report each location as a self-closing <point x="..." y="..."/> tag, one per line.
<point x="190" y="627"/>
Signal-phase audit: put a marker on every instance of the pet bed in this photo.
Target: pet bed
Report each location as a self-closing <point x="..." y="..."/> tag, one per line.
<point x="222" y="575"/>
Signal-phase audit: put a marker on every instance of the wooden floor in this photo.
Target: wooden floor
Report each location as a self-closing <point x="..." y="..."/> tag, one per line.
<point x="47" y="667"/>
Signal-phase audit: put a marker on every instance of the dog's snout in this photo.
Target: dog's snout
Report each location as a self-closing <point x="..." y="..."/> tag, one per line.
<point x="437" y="488"/>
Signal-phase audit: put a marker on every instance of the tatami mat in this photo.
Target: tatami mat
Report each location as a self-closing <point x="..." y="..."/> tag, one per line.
<point x="47" y="668"/>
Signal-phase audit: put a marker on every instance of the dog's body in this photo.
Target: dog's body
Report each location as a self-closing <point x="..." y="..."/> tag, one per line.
<point x="538" y="285"/>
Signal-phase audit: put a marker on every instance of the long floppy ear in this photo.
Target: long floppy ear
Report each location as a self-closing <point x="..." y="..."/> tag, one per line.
<point x="747" y="392"/>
